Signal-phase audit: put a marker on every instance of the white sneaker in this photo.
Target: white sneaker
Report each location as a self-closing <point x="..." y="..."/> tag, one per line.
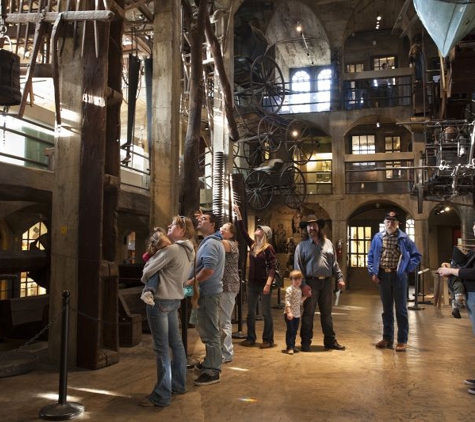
<point x="147" y="297"/>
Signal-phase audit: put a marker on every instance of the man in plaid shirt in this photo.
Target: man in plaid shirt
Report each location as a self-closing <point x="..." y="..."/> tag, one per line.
<point x="391" y="256"/>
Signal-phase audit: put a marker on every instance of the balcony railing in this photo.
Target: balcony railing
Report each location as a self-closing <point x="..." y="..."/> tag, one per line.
<point x="25" y="143"/>
<point x="379" y="173"/>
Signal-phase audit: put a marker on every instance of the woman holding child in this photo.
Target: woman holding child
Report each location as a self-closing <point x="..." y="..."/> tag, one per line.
<point x="173" y="263"/>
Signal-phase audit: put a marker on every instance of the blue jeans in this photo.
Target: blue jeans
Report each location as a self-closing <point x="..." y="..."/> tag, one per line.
<point x="322" y="294"/>
<point x="226" y="306"/>
<point x="291" y="333"/>
<point x="171" y="374"/>
<point x="253" y="294"/>
<point x="471" y="308"/>
<point x="208" y="329"/>
<point x="393" y="293"/>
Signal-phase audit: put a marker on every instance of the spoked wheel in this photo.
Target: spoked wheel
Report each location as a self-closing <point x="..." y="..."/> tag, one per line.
<point x="236" y="149"/>
<point x="292" y="187"/>
<point x="254" y="154"/>
<point x="299" y="143"/>
<point x="267" y="85"/>
<point x="259" y="189"/>
<point x="270" y="134"/>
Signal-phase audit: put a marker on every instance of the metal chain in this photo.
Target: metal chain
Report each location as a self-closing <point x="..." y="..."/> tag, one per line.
<point x="47" y="327"/>
<point x="34" y="338"/>
<point x="98" y="319"/>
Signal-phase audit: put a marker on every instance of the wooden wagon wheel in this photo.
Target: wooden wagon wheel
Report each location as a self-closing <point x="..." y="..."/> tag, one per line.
<point x="267" y="85"/>
<point x="270" y="134"/>
<point x="293" y="187"/>
<point x="259" y="189"/>
<point x="299" y="143"/>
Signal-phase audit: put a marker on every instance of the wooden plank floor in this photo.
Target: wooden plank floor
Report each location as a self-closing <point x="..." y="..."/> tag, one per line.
<point x="359" y="384"/>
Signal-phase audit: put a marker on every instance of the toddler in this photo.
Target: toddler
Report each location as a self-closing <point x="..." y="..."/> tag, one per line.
<point x="158" y="241"/>
<point x="293" y="302"/>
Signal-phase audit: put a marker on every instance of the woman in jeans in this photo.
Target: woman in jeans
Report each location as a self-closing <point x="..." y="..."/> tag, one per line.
<point x="262" y="266"/>
<point x="173" y="264"/>
<point x="231" y="285"/>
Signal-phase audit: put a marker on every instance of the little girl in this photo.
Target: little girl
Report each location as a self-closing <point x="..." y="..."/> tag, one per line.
<point x="158" y="241"/>
<point x="293" y="302"/>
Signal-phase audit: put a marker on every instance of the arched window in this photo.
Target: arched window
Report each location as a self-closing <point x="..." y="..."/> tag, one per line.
<point x="324" y="84"/>
<point x="301" y="88"/>
<point x="34" y="237"/>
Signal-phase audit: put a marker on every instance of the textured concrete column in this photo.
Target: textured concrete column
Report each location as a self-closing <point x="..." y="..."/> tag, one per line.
<point x="165" y="111"/>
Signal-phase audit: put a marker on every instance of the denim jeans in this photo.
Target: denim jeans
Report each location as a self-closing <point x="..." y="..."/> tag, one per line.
<point x="226" y="306"/>
<point x="393" y="293"/>
<point x="471" y="308"/>
<point x="208" y="330"/>
<point x="322" y="294"/>
<point x="291" y="333"/>
<point x="171" y="373"/>
<point x="253" y="294"/>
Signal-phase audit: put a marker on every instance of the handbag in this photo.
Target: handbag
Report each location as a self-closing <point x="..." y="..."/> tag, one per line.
<point x="277" y="282"/>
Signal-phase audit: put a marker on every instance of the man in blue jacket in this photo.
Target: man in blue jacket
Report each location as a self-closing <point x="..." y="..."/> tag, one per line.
<point x="208" y="272"/>
<point x="391" y="256"/>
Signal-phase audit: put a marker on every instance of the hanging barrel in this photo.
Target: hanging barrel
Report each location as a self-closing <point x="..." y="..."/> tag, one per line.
<point x="10" y="93"/>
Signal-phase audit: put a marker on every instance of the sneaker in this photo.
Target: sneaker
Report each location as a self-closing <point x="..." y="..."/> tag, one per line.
<point x="384" y="344"/>
<point x="456" y="313"/>
<point x="335" y="346"/>
<point x="248" y="343"/>
<point x="147" y="297"/>
<point x="290" y="351"/>
<point x="145" y="402"/>
<point x="205" y="379"/>
<point x="267" y="345"/>
<point x="198" y="368"/>
<point x="470" y="383"/>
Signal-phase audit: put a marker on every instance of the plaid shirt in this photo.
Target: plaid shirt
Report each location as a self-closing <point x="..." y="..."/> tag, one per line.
<point x="391" y="252"/>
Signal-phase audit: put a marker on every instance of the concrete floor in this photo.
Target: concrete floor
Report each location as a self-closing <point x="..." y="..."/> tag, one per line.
<point x="359" y="384"/>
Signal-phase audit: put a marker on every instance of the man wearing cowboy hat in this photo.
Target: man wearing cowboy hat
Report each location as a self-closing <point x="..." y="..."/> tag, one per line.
<point x="391" y="256"/>
<point x="315" y="257"/>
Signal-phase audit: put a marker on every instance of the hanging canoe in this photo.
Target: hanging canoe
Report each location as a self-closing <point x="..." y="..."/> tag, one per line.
<point x="446" y="22"/>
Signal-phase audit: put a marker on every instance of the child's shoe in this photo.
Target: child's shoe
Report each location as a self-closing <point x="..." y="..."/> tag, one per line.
<point x="147" y="297"/>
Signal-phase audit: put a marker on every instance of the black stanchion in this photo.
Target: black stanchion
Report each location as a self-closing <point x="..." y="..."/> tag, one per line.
<point x="239" y="333"/>
<point x="279" y="304"/>
<point x="416" y="306"/>
<point x="63" y="410"/>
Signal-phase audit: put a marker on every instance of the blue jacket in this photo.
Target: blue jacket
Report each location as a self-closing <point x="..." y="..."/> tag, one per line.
<point x="410" y="256"/>
<point x="211" y="255"/>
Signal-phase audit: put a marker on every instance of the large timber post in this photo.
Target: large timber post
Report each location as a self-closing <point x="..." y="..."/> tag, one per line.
<point x="85" y="197"/>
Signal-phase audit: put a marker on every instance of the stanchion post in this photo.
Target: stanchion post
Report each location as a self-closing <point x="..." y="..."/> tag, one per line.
<point x="416" y="306"/>
<point x="239" y="333"/>
<point x="63" y="410"/>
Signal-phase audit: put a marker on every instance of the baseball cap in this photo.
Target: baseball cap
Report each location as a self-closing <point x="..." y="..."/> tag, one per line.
<point x="391" y="215"/>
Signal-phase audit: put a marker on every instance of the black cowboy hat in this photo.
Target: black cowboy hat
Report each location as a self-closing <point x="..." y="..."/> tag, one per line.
<point x="312" y="218"/>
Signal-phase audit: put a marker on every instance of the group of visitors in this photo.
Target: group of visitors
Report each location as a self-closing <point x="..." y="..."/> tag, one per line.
<point x="173" y="262"/>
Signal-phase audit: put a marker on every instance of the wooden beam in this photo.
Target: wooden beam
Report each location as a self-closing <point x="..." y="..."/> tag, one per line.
<point x="86" y="15"/>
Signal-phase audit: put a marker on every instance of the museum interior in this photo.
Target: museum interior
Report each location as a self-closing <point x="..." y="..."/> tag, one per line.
<point x="118" y="115"/>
